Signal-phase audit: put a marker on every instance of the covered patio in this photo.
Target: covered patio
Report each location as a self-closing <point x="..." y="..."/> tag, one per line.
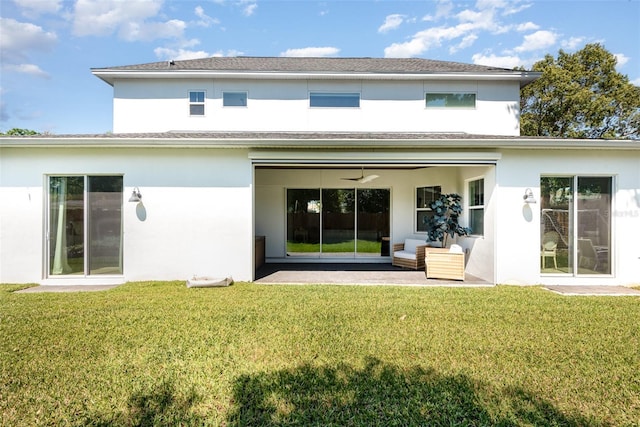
<point x="353" y="274"/>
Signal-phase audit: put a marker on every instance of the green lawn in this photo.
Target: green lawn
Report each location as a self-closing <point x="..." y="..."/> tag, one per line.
<point x="162" y="354"/>
<point x="364" y="246"/>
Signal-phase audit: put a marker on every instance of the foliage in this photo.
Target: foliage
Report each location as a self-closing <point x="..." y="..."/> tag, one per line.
<point x="19" y="132"/>
<point x="580" y="95"/>
<point x="162" y="354"/>
<point x="443" y="222"/>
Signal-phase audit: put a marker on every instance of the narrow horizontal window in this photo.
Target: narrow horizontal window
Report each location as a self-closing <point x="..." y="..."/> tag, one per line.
<point x="196" y="103"/>
<point x="234" y="99"/>
<point x="332" y="99"/>
<point x="451" y="100"/>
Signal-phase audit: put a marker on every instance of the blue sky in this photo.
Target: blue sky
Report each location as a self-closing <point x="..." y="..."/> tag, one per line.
<point x="49" y="46"/>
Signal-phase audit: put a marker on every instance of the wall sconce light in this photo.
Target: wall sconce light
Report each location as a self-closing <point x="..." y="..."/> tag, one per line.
<point x="136" y="196"/>
<point x="528" y="196"/>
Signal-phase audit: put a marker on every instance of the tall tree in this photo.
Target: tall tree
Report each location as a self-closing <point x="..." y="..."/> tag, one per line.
<point x="580" y="95"/>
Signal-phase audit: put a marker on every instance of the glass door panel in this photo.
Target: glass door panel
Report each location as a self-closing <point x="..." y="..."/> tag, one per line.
<point x="303" y="222"/>
<point x="556" y="225"/>
<point x="105" y="219"/>
<point x="373" y="222"/>
<point x="594" y="225"/>
<point x="66" y="225"/>
<point x="338" y="222"/>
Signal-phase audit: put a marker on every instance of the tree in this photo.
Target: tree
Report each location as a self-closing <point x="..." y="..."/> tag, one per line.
<point x="20" y="132"/>
<point x="580" y="95"/>
<point x="444" y="221"/>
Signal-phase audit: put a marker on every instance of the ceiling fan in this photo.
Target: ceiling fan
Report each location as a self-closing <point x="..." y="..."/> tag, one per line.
<point x="363" y="179"/>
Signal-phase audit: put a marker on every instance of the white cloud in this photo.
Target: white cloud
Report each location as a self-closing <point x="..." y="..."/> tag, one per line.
<point x="250" y="9"/>
<point x="636" y="82"/>
<point x="572" y="43"/>
<point x="621" y="58"/>
<point x="527" y="26"/>
<point x="180" y="54"/>
<point x="443" y="10"/>
<point x="17" y="39"/>
<point x="39" y="6"/>
<point x="311" y="52"/>
<point x="205" y="20"/>
<point x="506" y="61"/>
<point x="30" y="69"/>
<point x="539" y="40"/>
<point x="147" y="31"/>
<point x="127" y="18"/>
<point x="391" y="22"/>
<point x="466" y="42"/>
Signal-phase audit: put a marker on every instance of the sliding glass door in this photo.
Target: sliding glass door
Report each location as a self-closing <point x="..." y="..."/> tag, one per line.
<point x="85" y="225"/>
<point x="575" y="225"/>
<point x="373" y="222"/>
<point x="342" y="222"/>
<point x="338" y="222"/>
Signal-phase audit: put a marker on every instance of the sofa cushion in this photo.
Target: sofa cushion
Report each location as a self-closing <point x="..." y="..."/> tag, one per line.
<point x="410" y="245"/>
<point x="405" y="255"/>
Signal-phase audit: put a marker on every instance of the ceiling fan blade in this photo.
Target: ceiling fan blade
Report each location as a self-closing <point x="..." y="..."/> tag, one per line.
<point x="368" y="178"/>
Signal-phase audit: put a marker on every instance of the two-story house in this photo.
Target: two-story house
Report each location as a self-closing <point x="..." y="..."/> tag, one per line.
<point x="330" y="159"/>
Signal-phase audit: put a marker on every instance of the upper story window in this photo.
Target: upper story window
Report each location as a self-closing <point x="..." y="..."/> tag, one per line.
<point x="234" y="99"/>
<point x="476" y="206"/>
<point x="334" y="99"/>
<point x="196" y="103"/>
<point x="450" y="100"/>
<point x="424" y="197"/>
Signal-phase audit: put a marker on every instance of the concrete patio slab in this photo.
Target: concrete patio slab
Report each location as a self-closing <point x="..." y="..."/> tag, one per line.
<point x="353" y="274"/>
<point x="576" y="290"/>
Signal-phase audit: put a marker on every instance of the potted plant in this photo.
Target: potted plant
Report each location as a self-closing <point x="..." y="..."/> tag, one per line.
<point x="444" y="223"/>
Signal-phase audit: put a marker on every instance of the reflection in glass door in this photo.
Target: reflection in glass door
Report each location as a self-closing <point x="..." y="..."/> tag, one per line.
<point x="373" y="222"/>
<point x="303" y="222"/>
<point x="338" y="222"/>
<point x="575" y="225"/>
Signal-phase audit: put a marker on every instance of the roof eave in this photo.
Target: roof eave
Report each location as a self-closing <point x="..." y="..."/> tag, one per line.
<point x="111" y="75"/>
<point x="302" y="142"/>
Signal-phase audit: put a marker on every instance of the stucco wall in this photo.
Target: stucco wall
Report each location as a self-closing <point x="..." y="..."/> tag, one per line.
<point x="162" y="105"/>
<point x="518" y="224"/>
<point x="195" y="216"/>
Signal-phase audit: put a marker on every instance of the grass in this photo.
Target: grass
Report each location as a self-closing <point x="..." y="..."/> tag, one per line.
<point x="162" y="354"/>
<point x="364" y="246"/>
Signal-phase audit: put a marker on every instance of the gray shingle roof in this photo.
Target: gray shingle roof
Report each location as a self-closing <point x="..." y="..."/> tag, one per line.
<point x="305" y="65"/>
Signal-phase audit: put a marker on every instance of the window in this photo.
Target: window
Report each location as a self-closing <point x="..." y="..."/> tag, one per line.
<point x="450" y="100"/>
<point x="234" y="99"/>
<point x="424" y="197"/>
<point x="476" y="207"/>
<point x="575" y="224"/>
<point x="84" y="228"/>
<point x="196" y="103"/>
<point x="331" y="99"/>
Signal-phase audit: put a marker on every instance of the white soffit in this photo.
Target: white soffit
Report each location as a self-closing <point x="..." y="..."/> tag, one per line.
<point x="278" y="157"/>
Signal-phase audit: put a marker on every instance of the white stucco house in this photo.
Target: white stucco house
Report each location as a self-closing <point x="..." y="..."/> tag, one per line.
<point x="209" y="155"/>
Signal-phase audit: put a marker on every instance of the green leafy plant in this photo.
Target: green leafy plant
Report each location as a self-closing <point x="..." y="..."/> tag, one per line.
<point x="444" y="222"/>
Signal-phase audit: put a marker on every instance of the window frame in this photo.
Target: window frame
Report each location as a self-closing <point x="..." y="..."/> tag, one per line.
<point x="88" y="244"/>
<point x="450" y="107"/>
<point x="577" y="211"/>
<point x="472" y="208"/>
<point x="197" y="103"/>
<point x="244" y="93"/>
<point x="328" y="95"/>
<point x="422" y="211"/>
